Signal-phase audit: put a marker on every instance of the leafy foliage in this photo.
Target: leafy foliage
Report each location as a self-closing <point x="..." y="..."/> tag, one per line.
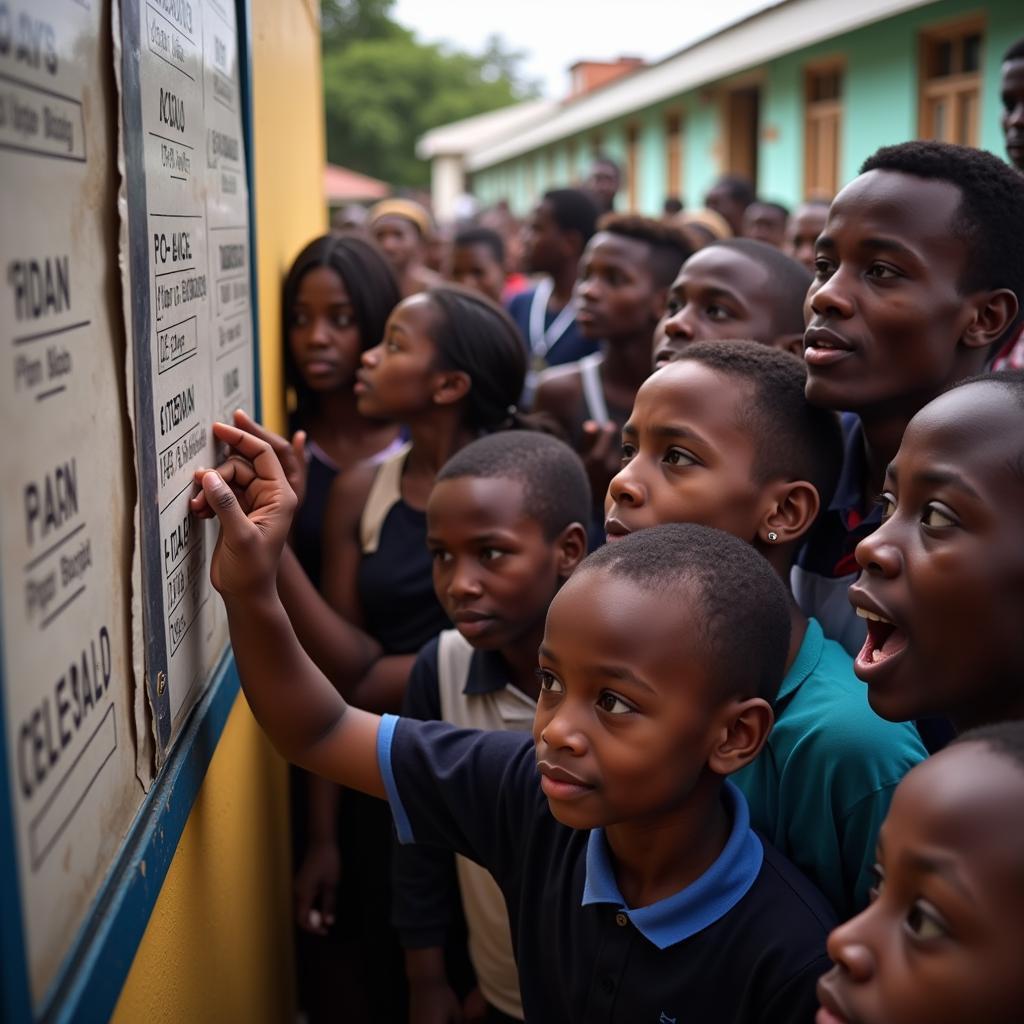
<point x="383" y="88"/>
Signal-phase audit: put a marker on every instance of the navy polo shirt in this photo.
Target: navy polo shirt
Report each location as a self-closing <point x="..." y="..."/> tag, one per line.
<point x="743" y="943"/>
<point x="825" y="565"/>
<point x="569" y="347"/>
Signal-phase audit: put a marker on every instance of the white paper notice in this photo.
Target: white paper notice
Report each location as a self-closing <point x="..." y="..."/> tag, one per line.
<point x="196" y="356"/>
<point x="65" y="527"/>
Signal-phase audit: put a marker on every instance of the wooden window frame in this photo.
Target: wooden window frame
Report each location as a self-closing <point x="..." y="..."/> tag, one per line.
<point x="954" y="88"/>
<point x="674" y="147"/>
<point x="818" y="112"/>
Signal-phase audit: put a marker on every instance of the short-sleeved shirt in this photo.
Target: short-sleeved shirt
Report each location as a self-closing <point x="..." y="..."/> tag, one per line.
<point x="821" y="787"/>
<point x="567" y="349"/>
<point x="742" y="943"/>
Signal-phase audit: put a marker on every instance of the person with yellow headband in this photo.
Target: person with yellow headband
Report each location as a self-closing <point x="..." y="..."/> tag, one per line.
<point x="401" y="228"/>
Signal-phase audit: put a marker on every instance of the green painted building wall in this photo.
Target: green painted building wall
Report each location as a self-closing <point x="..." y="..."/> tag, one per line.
<point x="880" y="106"/>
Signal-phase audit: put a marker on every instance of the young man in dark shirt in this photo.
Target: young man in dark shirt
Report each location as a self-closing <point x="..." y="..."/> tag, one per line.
<point x="635" y="887"/>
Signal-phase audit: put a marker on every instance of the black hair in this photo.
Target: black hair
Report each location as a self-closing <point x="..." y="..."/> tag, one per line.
<point x="793" y="439"/>
<point x="733" y="598"/>
<point x="482" y="236"/>
<point x="672" y="204"/>
<point x="668" y="246"/>
<point x="573" y="210"/>
<point x="738" y="188"/>
<point x="556" y="491"/>
<point x="790" y="281"/>
<point x="604" y="160"/>
<point x="1015" y="52"/>
<point x="771" y="205"/>
<point x="475" y="335"/>
<point x="990" y="220"/>
<point x="372" y="290"/>
<point x="1005" y="738"/>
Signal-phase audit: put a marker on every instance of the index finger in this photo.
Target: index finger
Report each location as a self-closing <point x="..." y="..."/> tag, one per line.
<point x="255" y="449"/>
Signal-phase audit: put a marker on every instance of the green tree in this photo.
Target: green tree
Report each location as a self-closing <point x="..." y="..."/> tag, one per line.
<point x="383" y="88"/>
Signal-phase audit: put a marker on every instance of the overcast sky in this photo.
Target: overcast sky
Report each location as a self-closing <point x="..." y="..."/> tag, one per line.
<point x="556" y="33"/>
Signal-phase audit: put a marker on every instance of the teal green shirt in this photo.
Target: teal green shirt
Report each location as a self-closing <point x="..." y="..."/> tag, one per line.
<point x="820" y="789"/>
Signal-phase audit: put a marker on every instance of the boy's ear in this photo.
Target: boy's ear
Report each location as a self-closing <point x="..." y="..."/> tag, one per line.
<point x="992" y="318"/>
<point x="571" y="546"/>
<point x="451" y="387"/>
<point x="790" y="343"/>
<point x="743" y="730"/>
<point x="793" y="507"/>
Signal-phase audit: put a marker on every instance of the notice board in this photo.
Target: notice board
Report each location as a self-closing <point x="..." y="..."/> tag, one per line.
<point x="126" y="325"/>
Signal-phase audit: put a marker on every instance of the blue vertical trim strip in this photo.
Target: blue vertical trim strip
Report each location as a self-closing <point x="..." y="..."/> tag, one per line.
<point x="243" y="22"/>
<point x="15" y="996"/>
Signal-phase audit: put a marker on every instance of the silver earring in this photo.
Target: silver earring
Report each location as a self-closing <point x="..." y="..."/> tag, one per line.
<point x="773" y="536"/>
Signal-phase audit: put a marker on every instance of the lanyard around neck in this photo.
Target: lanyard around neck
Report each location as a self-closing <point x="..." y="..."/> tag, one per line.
<point x="542" y="339"/>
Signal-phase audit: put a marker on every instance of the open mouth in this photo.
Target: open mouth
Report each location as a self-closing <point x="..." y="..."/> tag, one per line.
<point x="885" y="640"/>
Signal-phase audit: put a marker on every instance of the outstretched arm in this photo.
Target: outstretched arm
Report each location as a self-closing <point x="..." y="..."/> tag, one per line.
<point x="306" y="719"/>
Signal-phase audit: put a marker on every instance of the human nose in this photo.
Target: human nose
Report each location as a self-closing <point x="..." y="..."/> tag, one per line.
<point x="464" y="581"/>
<point x="626" y="487"/>
<point x="563" y="731"/>
<point x="832" y="297"/>
<point x="371" y="357"/>
<point x="850" y="948"/>
<point x="587" y="287"/>
<point x="877" y="553"/>
<point x="680" y="324"/>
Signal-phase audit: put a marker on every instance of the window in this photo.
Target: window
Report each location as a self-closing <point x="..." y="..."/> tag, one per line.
<point x="743" y="115"/>
<point x="673" y="154"/>
<point x="951" y="83"/>
<point x="823" y="121"/>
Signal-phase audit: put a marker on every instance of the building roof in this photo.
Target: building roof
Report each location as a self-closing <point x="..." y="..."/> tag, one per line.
<point x="342" y="185"/>
<point x="473" y="133"/>
<point x="780" y="27"/>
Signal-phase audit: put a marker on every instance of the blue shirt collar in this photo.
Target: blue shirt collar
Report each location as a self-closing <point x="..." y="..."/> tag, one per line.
<point x="703" y="901"/>
<point x="487" y="673"/>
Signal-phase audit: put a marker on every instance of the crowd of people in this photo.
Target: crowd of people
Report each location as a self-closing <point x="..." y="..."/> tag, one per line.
<point x="784" y="689"/>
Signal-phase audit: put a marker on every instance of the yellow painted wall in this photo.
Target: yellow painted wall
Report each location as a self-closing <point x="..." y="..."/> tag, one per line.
<point x="218" y="945"/>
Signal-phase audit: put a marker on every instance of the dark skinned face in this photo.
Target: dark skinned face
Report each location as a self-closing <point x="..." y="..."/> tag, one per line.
<point x="1011" y="91"/>
<point x="625" y="722"/>
<point x="941" y="942"/>
<point x="943" y="580"/>
<point x="474" y="266"/>
<point x="495" y="571"/>
<point x="686" y="456"/>
<point x="546" y="247"/>
<point x="324" y="336"/>
<point x="400" y="241"/>
<point x="806" y="223"/>
<point x="765" y="223"/>
<point x="397" y="377"/>
<point x="719" y="295"/>
<point x="722" y="200"/>
<point x="885" y="314"/>
<point x="616" y="294"/>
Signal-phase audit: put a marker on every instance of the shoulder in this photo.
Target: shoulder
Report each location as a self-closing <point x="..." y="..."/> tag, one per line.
<point x="829" y="728"/>
<point x="520" y="302"/>
<point x="559" y="383"/>
<point x="422" y="692"/>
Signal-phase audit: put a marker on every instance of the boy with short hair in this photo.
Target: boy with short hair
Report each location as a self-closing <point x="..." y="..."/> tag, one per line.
<point x="806" y="223"/>
<point x="941" y="942"/>
<point x="478" y="261"/>
<point x="766" y="222"/>
<point x="738" y="288"/>
<point x="942" y="582"/>
<point x="724" y="436"/>
<point x="1011" y="91"/>
<point x="635" y="887"/>
<point x="920" y="271"/>
<point x="556" y="233"/>
<point x="505" y="526"/>
<point x="729" y="197"/>
<point x="623" y="279"/>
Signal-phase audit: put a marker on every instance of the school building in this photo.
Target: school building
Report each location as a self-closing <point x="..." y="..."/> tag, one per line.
<point x="793" y="98"/>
